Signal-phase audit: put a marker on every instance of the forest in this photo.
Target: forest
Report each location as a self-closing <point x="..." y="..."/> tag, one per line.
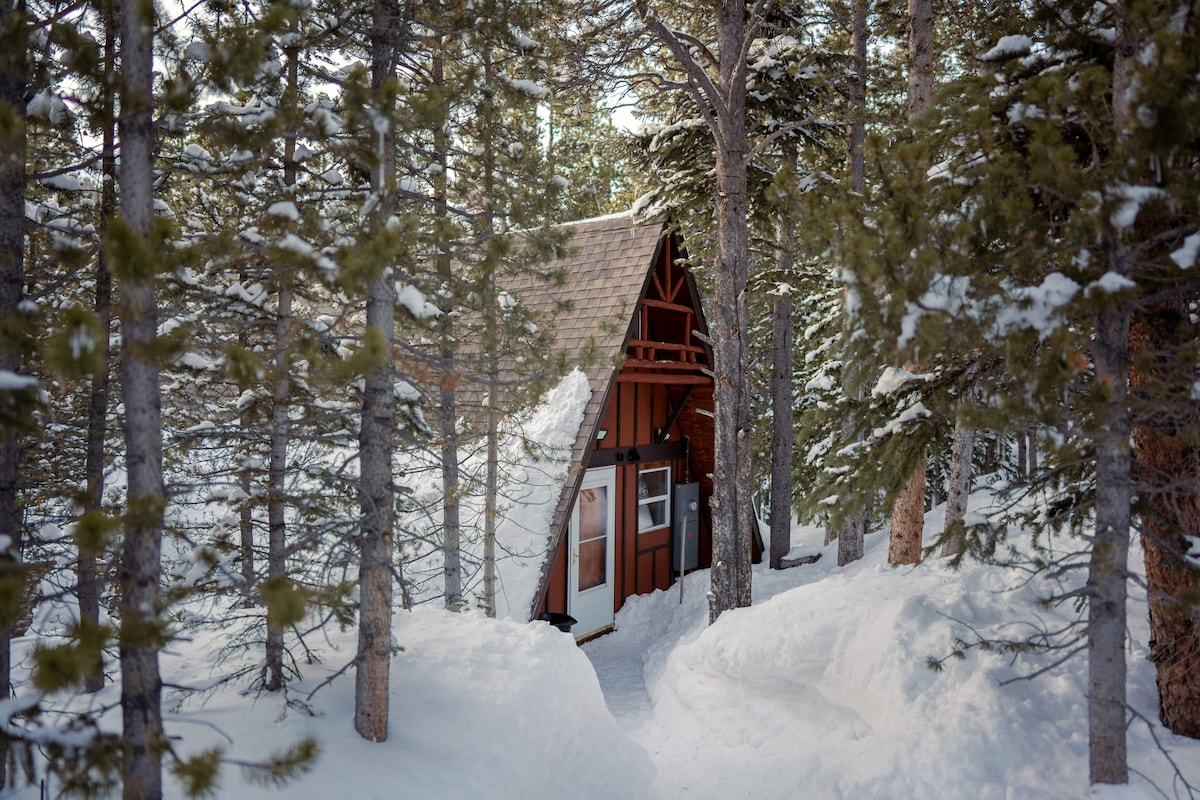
<point x="259" y="373"/>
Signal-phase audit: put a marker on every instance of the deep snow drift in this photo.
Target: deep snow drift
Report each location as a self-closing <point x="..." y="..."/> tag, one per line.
<point x="821" y="690"/>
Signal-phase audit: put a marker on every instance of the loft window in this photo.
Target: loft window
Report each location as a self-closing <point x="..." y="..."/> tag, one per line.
<point x="654" y="498"/>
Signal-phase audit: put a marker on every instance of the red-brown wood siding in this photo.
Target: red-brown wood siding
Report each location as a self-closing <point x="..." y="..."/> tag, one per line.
<point x="634" y="413"/>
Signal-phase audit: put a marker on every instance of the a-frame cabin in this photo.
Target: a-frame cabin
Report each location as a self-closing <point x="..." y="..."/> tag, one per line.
<point x="634" y="510"/>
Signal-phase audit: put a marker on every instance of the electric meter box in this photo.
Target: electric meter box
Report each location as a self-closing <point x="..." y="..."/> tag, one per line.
<point x="685" y="543"/>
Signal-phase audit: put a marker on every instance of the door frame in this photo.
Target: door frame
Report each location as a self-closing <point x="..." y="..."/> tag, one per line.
<point x="593" y="608"/>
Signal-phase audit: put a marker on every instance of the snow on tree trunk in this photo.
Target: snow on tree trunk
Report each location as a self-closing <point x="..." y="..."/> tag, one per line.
<point x="1107" y="567"/>
<point x="960" y="484"/>
<point x="141" y="685"/>
<point x="782" y="428"/>
<point x="13" y="84"/>
<point x="908" y="512"/>
<point x="733" y="512"/>
<point x="376" y="429"/>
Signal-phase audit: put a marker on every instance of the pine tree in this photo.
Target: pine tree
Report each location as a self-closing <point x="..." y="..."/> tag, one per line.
<point x="132" y="245"/>
<point x="1052" y="221"/>
<point x="14" y="82"/>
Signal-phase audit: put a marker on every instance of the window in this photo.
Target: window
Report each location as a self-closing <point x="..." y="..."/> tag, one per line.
<point x="654" y="498"/>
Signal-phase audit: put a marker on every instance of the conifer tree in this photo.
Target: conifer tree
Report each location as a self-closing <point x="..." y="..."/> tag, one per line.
<point x="371" y="700"/>
<point x="1052" y="221"/>
<point x="14" y="83"/>
<point x="133" y="248"/>
<point x="908" y="510"/>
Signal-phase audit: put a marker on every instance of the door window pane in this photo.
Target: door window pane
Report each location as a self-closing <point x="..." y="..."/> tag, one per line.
<point x="593" y="537"/>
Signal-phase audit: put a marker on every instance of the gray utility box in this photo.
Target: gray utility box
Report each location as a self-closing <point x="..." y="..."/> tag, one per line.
<point x="685" y="544"/>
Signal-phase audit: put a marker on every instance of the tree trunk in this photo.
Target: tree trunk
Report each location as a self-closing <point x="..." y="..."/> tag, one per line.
<point x="1022" y="455"/>
<point x="1169" y="469"/>
<point x="782" y="429"/>
<point x="491" y="356"/>
<point x="88" y="592"/>
<point x="908" y="513"/>
<point x="732" y="504"/>
<point x="13" y="85"/>
<point x="908" y="520"/>
<point x="448" y="407"/>
<point x="920" y="57"/>
<point x="280" y="413"/>
<point x="376" y="432"/>
<point x="850" y="536"/>
<point x="141" y="686"/>
<point x="960" y="485"/>
<point x="1107" y="569"/>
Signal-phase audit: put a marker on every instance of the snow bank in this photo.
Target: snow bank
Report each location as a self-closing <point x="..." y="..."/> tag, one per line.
<point x="822" y="689"/>
<point x="479" y="708"/>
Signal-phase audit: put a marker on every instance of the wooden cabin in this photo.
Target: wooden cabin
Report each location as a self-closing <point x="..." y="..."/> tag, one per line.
<point x="634" y="511"/>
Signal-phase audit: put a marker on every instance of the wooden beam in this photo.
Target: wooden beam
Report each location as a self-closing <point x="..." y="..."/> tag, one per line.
<point x="625" y="456"/>
<point x="672" y="380"/>
<point x="652" y="303"/>
<point x="645" y="363"/>
<point x="674" y="416"/>
<point x="683" y="348"/>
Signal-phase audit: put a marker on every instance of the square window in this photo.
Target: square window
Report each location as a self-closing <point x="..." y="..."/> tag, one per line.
<point x="654" y="498"/>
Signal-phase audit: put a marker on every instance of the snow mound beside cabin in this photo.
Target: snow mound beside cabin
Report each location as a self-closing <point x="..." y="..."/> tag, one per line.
<point x="479" y="708"/>
<point x="532" y="489"/>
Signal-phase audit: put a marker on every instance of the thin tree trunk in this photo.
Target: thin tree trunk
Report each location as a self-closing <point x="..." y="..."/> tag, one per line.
<point x="960" y="485"/>
<point x="376" y="432"/>
<point x="280" y="413"/>
<point x="141" y="686"/>
<point x="246" y="515"/>
<point x="908" y="512"/>
<point x="850" y="536"/>
<point x="492" y="365"/>
<point x="782" y="433"/>
<point x="732" y="504"/>
<point x="448" y="407"/>
<point x="13" y="85"/>
<point x="97" y="430"/>
<point x="1022" y="455"/>
<point x="1107" y="569"/>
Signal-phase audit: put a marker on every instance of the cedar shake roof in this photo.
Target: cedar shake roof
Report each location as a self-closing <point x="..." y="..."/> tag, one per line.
<point x="607" y="268"/>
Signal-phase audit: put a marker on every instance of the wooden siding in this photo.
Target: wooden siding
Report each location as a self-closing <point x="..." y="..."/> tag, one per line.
<point x="665" y="367"/>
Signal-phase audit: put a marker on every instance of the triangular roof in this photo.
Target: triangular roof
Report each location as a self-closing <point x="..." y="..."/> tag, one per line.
<point x="608" y="269"/>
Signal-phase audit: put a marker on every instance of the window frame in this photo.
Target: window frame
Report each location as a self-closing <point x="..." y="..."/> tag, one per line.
<point x="664" y="499"/>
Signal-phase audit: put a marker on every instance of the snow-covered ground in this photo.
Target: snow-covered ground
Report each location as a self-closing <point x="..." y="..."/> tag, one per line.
<point x="820" y="690"/>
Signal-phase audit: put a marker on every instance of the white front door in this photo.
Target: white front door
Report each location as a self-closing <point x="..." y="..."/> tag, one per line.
<point x="590" y="590"/>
